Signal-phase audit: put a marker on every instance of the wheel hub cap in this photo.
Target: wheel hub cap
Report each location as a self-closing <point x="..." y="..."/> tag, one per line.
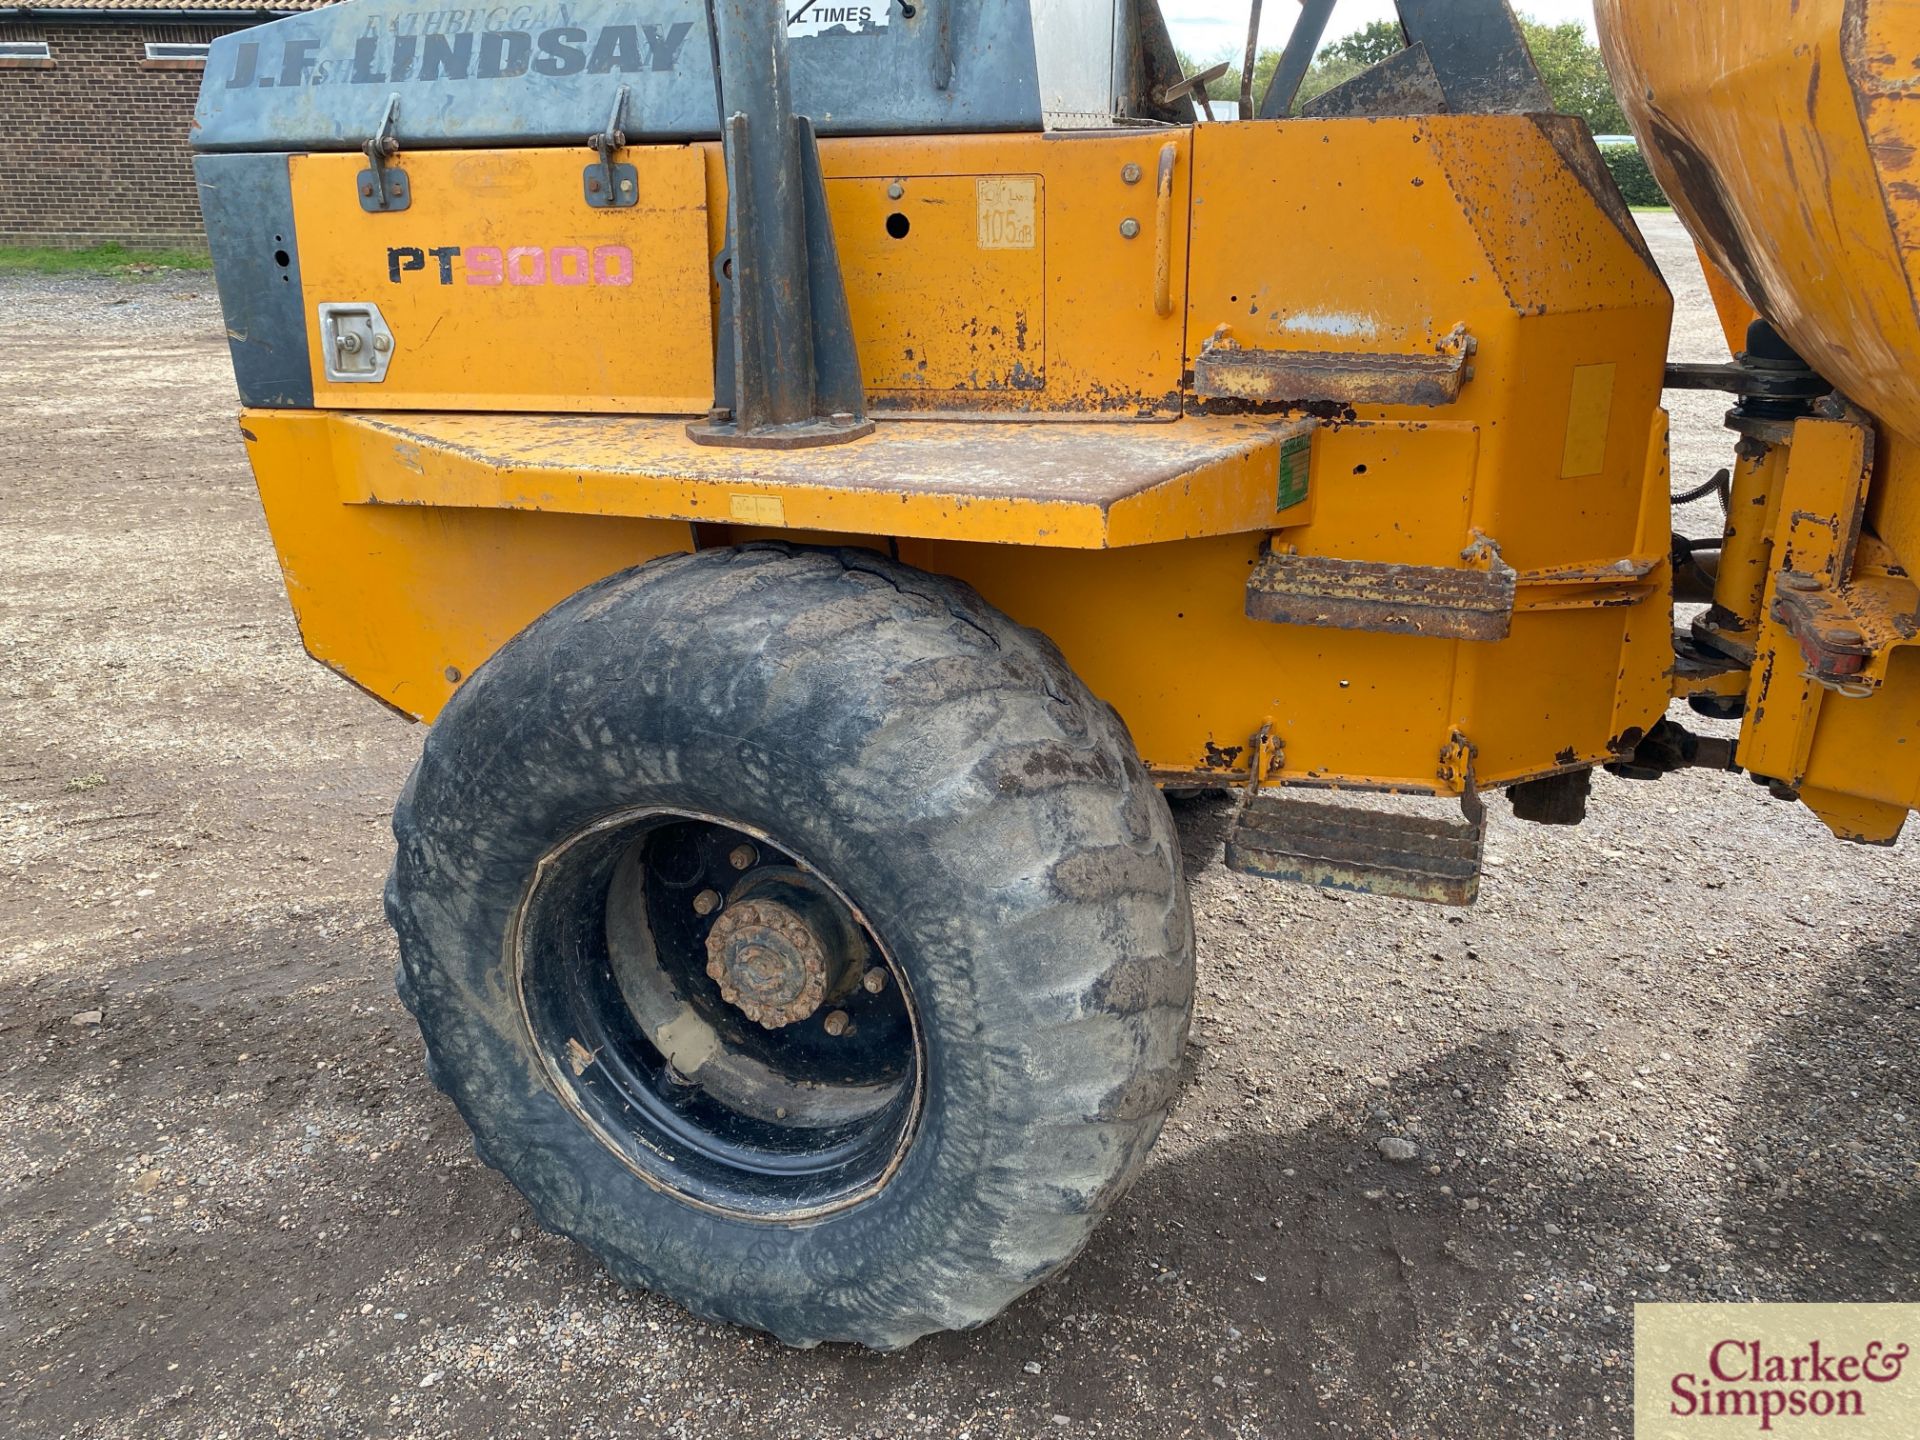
<point x="768" y="962"/>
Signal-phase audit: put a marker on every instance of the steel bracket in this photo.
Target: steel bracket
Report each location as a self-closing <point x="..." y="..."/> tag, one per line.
<point x="608" y="184"/>
<point x="1749" y="381"/>
<point x="383" y="188"/>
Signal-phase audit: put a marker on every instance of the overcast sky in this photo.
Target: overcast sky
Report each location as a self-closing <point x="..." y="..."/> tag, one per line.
<point x="1206" y="29"/>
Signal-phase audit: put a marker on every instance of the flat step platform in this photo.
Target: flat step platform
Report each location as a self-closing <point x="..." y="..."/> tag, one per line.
<point x="1090" y="486"/>
<point x="1348" y="847"/>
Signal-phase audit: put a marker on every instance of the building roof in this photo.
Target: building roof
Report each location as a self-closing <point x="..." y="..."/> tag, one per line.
<point x="170" y="7"/>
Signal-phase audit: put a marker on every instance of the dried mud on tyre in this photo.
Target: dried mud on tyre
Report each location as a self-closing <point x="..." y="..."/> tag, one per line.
<point x="941" y="820"/>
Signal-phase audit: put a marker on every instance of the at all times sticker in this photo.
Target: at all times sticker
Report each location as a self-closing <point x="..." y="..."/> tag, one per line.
<point x="816" y="17"/>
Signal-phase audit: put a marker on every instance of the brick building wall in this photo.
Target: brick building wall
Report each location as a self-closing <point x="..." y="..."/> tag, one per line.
<point x="93" y="142"/>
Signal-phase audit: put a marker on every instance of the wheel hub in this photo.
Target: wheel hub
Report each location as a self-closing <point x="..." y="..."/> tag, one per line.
<point x="769" y="962"/>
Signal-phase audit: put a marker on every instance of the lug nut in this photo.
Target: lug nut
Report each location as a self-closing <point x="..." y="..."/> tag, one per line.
<point x="706" y="902"/>
<point x="874" y="981"/>
<point x="837" y="1023"/>
<point x="742" y="857"/>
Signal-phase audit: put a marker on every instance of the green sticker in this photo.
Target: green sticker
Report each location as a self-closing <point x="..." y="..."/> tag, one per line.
<point x="1296" y="464"/>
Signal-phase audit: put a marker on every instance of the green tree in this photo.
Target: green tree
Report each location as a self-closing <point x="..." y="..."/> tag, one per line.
<point x="1575" y="75"/>
<point x="1381" y="40"/>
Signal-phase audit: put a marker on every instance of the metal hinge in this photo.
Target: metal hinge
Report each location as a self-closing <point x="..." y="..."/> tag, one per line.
<point x="611" y="186"/>
<point x="382" y="188"/>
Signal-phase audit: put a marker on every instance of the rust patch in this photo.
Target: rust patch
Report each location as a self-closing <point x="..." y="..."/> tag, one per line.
<point x="1626" y="742"/>
<point x="1223" y="757"/>
<point x="1330" y="412"/>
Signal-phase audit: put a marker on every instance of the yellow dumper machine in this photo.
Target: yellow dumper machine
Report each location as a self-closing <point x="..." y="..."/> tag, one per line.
<point x="824" y="475"/>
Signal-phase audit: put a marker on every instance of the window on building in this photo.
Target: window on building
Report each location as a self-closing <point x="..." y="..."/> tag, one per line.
<point x="175" y="55"/>
<point x="24" y="55"/>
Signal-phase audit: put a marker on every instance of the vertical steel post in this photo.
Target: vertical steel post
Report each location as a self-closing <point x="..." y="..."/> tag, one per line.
<point x="786" y="335"/>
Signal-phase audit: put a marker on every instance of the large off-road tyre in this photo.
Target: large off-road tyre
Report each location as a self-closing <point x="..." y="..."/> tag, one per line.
<point x="800" y="936"/>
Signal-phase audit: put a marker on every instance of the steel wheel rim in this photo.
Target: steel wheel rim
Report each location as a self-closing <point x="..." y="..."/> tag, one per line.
<point x="625" y="1023"/>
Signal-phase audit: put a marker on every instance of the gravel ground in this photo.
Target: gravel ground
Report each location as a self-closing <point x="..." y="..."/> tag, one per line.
<point x="1668" y="1057"/>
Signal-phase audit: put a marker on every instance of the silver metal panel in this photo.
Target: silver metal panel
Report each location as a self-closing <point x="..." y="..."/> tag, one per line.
<point x="1074" y="44"/>
<point x="546" y="71"/>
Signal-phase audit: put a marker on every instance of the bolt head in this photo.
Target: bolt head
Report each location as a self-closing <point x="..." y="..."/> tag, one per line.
<point x="896" y="190"/>
<point x="1129" y="227"/>
<point x="1130" y="173"/>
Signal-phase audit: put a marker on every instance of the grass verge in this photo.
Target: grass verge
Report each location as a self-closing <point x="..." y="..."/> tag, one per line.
<point x="108" y="259"/>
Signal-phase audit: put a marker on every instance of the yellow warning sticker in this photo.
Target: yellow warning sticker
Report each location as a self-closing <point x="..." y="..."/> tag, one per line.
<point x="758" y="509"/>
<point x="1008" y="206"/>
<point x="1588" y="421"/>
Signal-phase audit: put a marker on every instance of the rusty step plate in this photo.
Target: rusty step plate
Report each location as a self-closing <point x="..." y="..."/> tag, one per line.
<point x="1225" y="370"/>
<point x="1383" y="598"/>
<point x="1374" y="852"/>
